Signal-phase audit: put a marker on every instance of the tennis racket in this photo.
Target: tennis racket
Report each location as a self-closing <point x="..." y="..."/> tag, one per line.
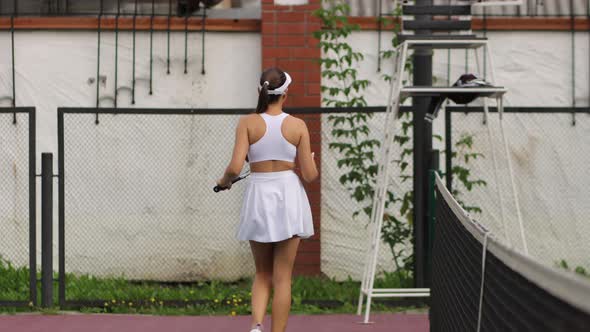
<point x="242" y="176"/>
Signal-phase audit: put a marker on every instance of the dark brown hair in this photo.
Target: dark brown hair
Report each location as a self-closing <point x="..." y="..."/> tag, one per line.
<point x="275" y="78"/>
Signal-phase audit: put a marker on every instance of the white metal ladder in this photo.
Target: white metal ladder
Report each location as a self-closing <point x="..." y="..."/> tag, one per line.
<point x="397" y="92"/>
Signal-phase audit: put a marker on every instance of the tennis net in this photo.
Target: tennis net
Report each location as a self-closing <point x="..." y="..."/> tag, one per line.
<point x="479" y="284"/>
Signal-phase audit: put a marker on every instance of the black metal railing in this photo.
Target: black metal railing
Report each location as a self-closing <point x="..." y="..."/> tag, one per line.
<point x="236" y="9"/>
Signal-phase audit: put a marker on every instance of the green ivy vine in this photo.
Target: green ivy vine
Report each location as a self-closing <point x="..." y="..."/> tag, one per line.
<point x="351" y="132"/>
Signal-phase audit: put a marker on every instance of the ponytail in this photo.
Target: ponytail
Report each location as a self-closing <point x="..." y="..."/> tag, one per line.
<point x="272" y="85"/>
<point x="263" y="98"/>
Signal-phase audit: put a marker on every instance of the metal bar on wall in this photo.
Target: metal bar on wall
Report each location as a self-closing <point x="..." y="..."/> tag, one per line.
<point x="485" y="51"/>
<point x="117" y="52"/>
<point x="573" y="51"/>
<point x="134" y="32"/>
<point x="169" y="18"/>
<point x="152" y="48"/>
<point x="379" y="32"/>
<point x="13" y="65"/>
<point x="98" y="59"/>
<point x="186" y="41"/>
<point x="203" y="20"/>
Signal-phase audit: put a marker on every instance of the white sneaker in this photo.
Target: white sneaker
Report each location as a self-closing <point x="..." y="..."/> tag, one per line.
<point x="258" y="328"/>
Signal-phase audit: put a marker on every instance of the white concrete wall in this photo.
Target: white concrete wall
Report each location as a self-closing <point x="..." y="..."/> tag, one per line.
<point x="108" y="231"/>
<point x="550" y="156"/>
<point x="54" y="69"/>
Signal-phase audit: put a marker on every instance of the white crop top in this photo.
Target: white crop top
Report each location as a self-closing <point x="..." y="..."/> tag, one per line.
<point x="273" y="145"/>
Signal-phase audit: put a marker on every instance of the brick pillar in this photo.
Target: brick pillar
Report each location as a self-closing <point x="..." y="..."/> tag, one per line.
<point x="288" y="43"/>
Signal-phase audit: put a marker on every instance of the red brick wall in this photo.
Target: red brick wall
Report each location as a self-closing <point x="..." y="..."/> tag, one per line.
<point x="288" y="43"/>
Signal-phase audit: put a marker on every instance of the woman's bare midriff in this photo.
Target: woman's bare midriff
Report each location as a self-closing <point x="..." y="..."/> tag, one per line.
<point x="271" y="166"/>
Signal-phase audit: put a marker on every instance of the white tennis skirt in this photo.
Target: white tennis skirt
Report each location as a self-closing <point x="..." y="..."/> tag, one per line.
<point x="275" y="208"/>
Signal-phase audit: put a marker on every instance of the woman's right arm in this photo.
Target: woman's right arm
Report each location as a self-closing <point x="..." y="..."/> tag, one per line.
<point x="309" y="170"/>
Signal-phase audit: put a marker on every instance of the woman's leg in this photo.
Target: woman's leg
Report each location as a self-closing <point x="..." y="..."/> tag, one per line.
<point x="284" y="258"/>
<point x="261" y="287"/>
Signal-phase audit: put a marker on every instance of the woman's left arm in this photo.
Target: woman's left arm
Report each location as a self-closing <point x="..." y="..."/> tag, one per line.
<point x="241" y="146"/>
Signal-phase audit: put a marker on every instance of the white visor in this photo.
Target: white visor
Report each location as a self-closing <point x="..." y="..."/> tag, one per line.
<point x="282" y="89"/>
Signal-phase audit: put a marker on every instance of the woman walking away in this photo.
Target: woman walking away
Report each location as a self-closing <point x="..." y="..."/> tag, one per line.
<point x="275" y="213"/>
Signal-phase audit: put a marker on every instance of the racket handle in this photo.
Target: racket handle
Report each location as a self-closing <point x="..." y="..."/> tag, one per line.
<point x="218" y="188"/>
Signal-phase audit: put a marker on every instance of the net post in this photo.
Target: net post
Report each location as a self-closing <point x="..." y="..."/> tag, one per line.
<point x="422" y="141"/>
<point x="47" y="230"/>
<point x="431" y="214"/>
<point x="449" y="149"/>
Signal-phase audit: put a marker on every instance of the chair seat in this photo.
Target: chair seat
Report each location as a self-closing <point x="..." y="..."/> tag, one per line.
<point x="444" y="41"/>
<point x="436" y="10"/>
<point x="437" y="25"/>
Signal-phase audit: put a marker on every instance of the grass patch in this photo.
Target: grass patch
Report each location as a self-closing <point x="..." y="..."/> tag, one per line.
<point x="14" y="282"/>
<point x="311" y="295"/>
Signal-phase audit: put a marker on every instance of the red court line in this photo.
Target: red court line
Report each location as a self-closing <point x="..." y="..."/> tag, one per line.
<point x="146" y="323"/>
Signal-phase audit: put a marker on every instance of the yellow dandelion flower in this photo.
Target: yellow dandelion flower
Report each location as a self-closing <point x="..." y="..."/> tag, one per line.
<point x="30" y="303"/>
<point x="131" y="304"/>
<point x="233" y="313"/>
<point x="123" y="301"/>
<point x="216" y="300"/>
<point x="114" y="301"/>
<point x="234" y="295"/>
<point x="106" y="304"/>
<point x="228" y="302"/>
<point x="153" y="300"/>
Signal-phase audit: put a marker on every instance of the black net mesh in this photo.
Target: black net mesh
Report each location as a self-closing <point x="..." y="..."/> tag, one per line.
<point x="511" y="302"/>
